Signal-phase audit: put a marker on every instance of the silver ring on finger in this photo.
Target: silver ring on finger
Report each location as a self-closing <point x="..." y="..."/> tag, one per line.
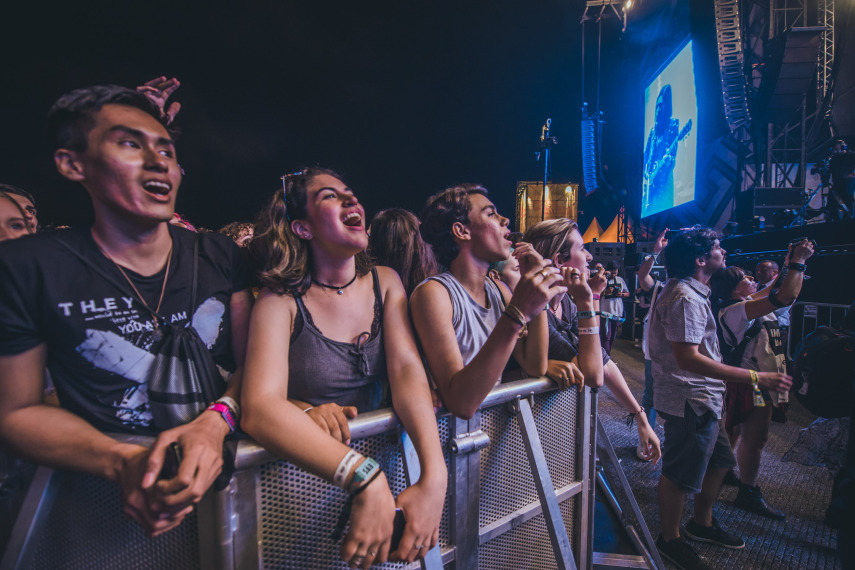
<point x="372" y="553"/>
<point x="419" y="546"/>
<point x="357" y="560"/>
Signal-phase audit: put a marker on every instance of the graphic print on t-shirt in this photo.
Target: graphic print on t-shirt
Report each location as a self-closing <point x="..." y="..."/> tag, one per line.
<point x="128" y="355"/>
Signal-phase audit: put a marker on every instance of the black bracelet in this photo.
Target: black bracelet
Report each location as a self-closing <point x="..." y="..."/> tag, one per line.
<point x="630" y="417"/>
<point x="797" y="266"/>
<point x="773" y="298"/>
<point x="370" y="480"/>
<point x="348" y="506"/>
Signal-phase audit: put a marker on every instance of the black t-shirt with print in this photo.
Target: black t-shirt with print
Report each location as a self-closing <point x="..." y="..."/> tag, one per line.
<point x="99" y="338"/>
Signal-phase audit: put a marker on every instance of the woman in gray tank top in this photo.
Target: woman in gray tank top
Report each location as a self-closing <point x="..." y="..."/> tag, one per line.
<point x="560" y="241"/>
<point x="329" y="336"/>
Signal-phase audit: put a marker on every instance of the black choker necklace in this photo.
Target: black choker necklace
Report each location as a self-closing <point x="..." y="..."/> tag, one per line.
<point x="337" y="287"/>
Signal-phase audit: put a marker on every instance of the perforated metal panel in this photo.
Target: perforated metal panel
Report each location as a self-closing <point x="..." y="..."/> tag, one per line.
<point x="507" y="484"/>
<point x="299" y="511"/>
<point x="87" y="529"/>
<point x="527" y="546"/>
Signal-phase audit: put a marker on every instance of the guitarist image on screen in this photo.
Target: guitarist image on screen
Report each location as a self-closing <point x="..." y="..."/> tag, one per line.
<point x="660" y="155"/>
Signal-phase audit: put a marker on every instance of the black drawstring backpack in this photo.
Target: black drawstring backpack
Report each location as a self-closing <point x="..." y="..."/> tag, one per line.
<point x="183" y="379"/>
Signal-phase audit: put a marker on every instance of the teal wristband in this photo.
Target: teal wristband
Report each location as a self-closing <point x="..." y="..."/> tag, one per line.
<point x="366" y="471"/>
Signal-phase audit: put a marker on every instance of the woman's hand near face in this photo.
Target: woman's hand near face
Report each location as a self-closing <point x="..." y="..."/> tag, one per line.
<point x="597" y="280"/>
<point x="577" y="285"/>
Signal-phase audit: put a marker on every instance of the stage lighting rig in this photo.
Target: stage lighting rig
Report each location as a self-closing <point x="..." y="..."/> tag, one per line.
<point x="597" y="9"/>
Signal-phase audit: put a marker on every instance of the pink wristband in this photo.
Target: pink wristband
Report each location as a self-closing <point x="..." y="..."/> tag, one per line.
<point x="225" y="413"/>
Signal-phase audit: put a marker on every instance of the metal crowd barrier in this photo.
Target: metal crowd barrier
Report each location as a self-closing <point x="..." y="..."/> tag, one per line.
<point x="807" y="316"/>
<point x="520" y="495"/>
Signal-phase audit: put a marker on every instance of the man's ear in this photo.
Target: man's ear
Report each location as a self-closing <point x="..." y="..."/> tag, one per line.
<point x="557" y="260"/>
<point x="301" y="229"/>
<point x="460" y="231"/>
<point x="68" y="164"/>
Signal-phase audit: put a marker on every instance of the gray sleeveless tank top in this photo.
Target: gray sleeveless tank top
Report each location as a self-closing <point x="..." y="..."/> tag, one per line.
<point x="322" y="370"/>
<point x="472" y="322"/>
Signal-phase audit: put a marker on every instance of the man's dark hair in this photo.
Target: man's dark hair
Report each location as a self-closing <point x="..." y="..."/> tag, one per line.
<point x="73" y="115"/>
<point x="612" y="265"/>
<point x="683" y="249"/>
<point x="440" y="213"/>
<point x="9" y="189"/>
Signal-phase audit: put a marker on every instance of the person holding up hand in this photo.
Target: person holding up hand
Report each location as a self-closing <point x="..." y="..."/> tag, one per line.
<point x="468" y="326"/>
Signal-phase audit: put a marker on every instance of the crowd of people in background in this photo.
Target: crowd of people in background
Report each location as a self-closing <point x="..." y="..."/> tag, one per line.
<point x="320" y="316"/>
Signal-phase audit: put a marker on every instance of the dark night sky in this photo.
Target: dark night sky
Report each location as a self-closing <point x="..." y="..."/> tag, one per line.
<point x="402" y="98"/>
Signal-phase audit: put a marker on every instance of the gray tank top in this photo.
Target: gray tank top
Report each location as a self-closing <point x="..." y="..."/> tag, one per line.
<point x="472" y="322"/>
<point x="322" y="370"/>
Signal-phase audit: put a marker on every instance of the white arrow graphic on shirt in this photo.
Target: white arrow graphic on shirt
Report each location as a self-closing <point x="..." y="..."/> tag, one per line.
<point x="108" y="351"/>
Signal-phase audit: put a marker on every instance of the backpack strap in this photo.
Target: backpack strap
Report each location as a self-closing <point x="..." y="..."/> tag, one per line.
<point x="195" y="275"/>
<point x="735" y="356"/>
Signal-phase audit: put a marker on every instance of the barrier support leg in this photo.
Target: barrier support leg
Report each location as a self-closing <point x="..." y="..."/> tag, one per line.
<point x="32" y="518"/>
<point x="649" y="551"/>
<point x="412" y="473"/>
<point x="465" y="471"/>
<point x="545" y="490"/>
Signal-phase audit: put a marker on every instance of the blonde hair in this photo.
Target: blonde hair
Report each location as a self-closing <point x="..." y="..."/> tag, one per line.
<point x="550" y="237"/>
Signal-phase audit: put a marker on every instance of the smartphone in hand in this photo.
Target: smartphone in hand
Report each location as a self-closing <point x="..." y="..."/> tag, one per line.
<point x="398" y="532"/>
<point x="171" y="462"/>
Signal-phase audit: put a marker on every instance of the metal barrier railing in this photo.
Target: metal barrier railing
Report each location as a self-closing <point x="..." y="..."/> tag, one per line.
<point x="807" y="316"/>
<point x="520" y="495"/>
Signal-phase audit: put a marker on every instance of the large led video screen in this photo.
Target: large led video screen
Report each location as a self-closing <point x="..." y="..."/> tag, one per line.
<point x="670" y="127"/>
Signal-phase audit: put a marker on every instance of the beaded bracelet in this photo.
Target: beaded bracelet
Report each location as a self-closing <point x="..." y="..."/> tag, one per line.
<point x="513" y="313"/>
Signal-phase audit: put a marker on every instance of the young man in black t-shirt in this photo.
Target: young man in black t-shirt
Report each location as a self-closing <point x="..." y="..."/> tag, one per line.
<point x="95" y="335"/>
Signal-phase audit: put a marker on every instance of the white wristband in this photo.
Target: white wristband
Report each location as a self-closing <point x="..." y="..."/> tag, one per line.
<point x="344" y="468"/>
<point x="589" y="330"/>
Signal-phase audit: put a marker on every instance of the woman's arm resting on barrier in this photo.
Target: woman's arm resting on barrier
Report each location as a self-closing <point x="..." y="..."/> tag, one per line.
<point x="689" y="358"/>
<point x="285" y="430"/>
<point x="53" y="436"/>
<point x="422" y="503"/>
<point x="330" y="417"/>
<point x="565" y="374"/>
<point x="590" y="356"/>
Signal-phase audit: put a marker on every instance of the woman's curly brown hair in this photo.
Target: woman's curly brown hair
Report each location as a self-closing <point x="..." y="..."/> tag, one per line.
<point x="283" y="258"/>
